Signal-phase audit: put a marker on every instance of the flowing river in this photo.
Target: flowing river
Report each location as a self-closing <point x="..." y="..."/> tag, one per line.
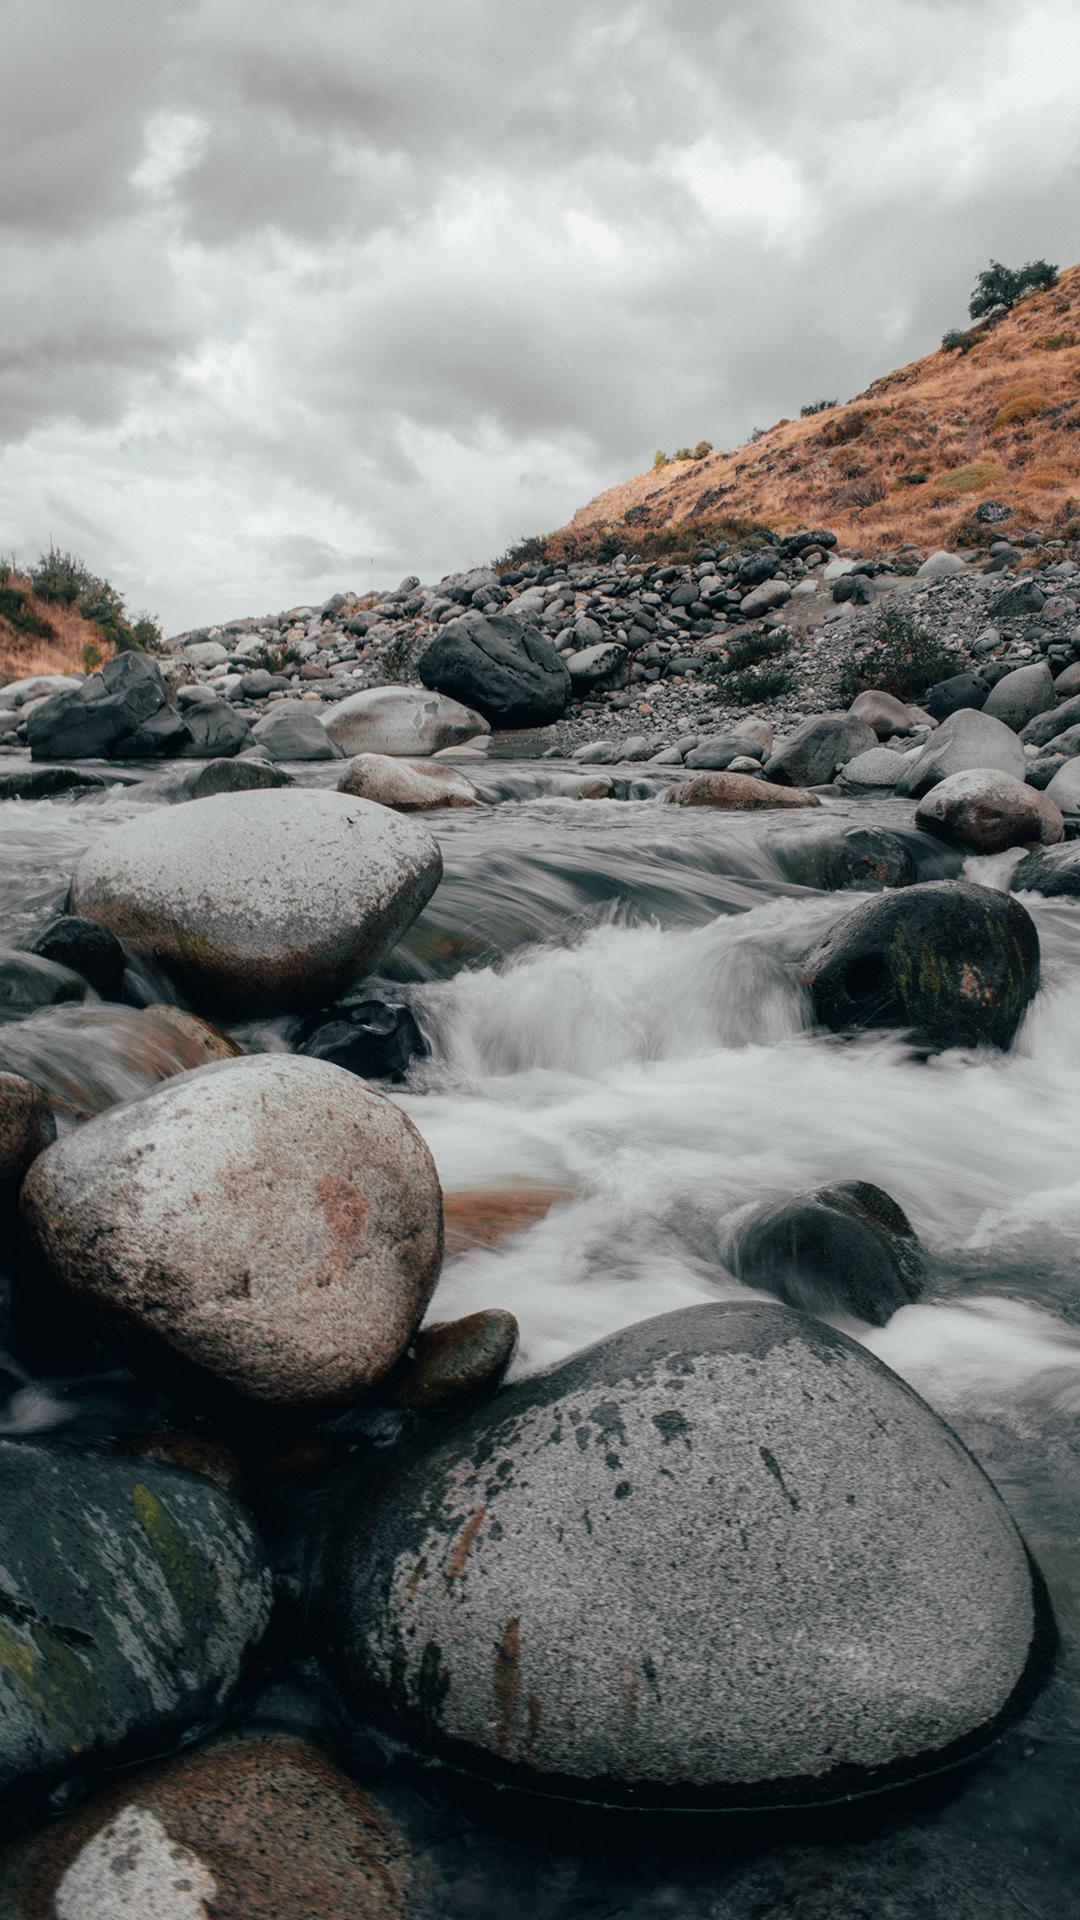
<point x="605" y="992"/>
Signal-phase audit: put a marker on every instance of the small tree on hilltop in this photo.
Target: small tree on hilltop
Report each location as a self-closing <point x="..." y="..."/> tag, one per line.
<point x="998" y="288"/>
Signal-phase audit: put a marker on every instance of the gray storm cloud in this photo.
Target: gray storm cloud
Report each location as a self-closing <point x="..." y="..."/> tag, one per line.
<point x="295" y="299"/>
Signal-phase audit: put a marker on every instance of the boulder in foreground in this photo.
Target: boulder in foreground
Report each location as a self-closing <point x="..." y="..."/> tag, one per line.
<point x="737" y="793"/>
<point x="723" y="1559"/>
<point x="400" y="720"/>
<point x="847" y="1247"/>
<point x="989" y="812"/>
<point x="267" y="1230"/>
<point x="956" y="962"/>
<point x="133" y="1627"/>
<point x="259" y="903"/>
<point x="508" y="672"/>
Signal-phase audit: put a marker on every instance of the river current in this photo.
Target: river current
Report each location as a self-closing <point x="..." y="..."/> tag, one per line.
<point x="605" y="991"/>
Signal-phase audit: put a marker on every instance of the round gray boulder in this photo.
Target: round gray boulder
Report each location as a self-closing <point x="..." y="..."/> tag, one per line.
<point x="133" y="1627"/>
<point x="810" y="756"/>
<point x="724" y="1559"/>
<point x="266" y="1229"/>
<point x="1022" y="695"/>
<point x="405" y="720"/>
<point x="966" y="739"/>
<point x="877" y="767"/>
<point x="263" y="902"/>
<point x="989" y="811"/>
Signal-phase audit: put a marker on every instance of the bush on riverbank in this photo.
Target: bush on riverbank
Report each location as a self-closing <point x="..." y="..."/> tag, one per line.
<point x="903" y="659"/>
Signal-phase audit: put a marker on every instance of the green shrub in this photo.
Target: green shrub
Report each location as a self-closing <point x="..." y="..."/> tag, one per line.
<point x="761" y="643"/>
<point x="685" y="453"/>
<point x="63" y="580"/>
<point x="959" y="340"/>
<point x="903" y="659"/>
<point x="998" y="288"/>
<point x="18" y="614"/>
<point x="660" y="459"/>
<point x="703" y="448"/>
<point x="817" y="406"/>
<point x="532" y="546"/>
<point x="751" y="670"/>
<point x="756" y="684"/>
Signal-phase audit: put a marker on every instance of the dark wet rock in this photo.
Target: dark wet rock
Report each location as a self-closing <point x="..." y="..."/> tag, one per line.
<point x="85" y="948"/>
<point x="87" y="1057"/>
<point x="133" y="1627"/>
<point x="253" y="1825"/>
<point x="882" y="711"/>
<point x="200" y="781"/>
<point x="27" y="1126"/>
<point x="454" y="1360"/>
<point x="164" y="734"/>
<point x="371" y="1037"/>
<point x="1017" y="602"/>
<point x="738" y="793"/>
<point x="988" y="812"/>
<point x="1046" y="727"/>
<point x="508" y="672"/>
<point x="266" y="1231"/>
<point x="28" y="981"/>
<point x="865" y="858"/>
<point x="810" y="756"/>
<point x="724" y="1558"/>
<point x="954" y="961"/>
<point x="216" y="730"/>
<point x="847" y="1247"/>
<point x="962" y="691"/>
<point x="260" y="902"/>
<point x="1040" y="772"/>
<point x="596" y="668"/>
<point x="40" y="783"/>
<point x="966" y="739"/>
<point x="1021" y="696"/>
<point x="1049" y="870"/>
<point x="208" y="1457"/>
<point x="97" y="713"/>
<point x="292" y="730"/>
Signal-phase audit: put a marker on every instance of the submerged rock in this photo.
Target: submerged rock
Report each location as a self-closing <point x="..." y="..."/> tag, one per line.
<point x="505" y="670"/>
<point x="267" y="1229"/>
<point x="28" y="981"/>
<point x="87" y="1058"/>
<point x="200" y="781"/>
<point x="810" y="756"/>
<point x="405" y="786"/>
<point x="957" y="962"/>
<point x="250" y="1825"/>
<point x="259" y="903"/>
<point x="738" y="793"/>
<point x="133" y="1627"/>
<point x="1049" y="871"/>
<point x="484" y="1216"/>
<point x="27" y="1126"/>
<point x="846" y="1247"/>
<point x="454" y="1360"/>
<point x="87" y="949"/>
<point x="365" y="1035"/>
<point x="724" y="1558"/>
<point x="400" y="721"/>
<point x="866" y="858"/>
<point x="989" y="812"/>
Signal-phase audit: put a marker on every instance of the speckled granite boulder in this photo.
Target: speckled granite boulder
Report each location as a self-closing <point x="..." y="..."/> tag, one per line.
<point x="257" y="903"/>
<point x="725" y="1558"/>
<point x="267" y="1230"/>
<point x="132" y="1627"/>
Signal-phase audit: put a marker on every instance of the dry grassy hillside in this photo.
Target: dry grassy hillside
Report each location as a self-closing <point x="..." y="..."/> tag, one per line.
<point x="905" y="461"/>
<point x="38" y="637"/>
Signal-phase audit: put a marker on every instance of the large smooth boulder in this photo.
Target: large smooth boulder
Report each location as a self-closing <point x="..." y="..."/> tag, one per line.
<point x="407" y="786"/>
<point x="988" y="812"/>
<point x="771" y="593"/>
<point x="261" y="902"/>
<point x="843" y="1248"/>
<point x="1022" y="695"/>
<point x="716" y="754"/>
<point x="87" y="949"/>
<point x="738" y="793"/>
<point x="1064" y="789"/>
<point x="883" y="712"/>
<point x="966" y="739"/>
<point x="723" y="1559"/>
<point x="1049" y="870"/>
<point x="133" y="1626"/>
<point x="954" y="961"/>
<point x="292" y="730"/>
<point x="938" y="565"/>
<point x="265" y="1230"/>
<point x="400" y="720"/>
<point x="593" y="667"/>
<point x="810" y="756"/>
<point x="1046" y="727"/>
<point x="865" y="858"/>
<point x="27" y="1126"/>
<point x="251" y="1825"/>
<point x="160" y="737"/>
<point x="509" y="672"/>
<point x="215" y="730"/>
<point x="97" y="713"/>
<point x="201" y="780"/>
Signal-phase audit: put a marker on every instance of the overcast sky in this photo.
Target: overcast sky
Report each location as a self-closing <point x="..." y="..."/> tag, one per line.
<point x="300" y="298"/>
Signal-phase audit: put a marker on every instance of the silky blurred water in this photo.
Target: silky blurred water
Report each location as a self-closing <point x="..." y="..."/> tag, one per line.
<point x="606" y="992"/>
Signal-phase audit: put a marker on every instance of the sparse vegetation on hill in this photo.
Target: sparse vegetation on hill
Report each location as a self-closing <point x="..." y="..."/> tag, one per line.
<point x="61" y="618"/>
<point x="903" y="658"/>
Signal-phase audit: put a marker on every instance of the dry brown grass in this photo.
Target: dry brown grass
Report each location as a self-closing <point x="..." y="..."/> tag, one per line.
<point x="1001" y="421"/>
<point x="22" y="654"/>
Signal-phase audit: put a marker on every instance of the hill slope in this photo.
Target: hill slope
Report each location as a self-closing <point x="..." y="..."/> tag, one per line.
<point x="906" y="460"/>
